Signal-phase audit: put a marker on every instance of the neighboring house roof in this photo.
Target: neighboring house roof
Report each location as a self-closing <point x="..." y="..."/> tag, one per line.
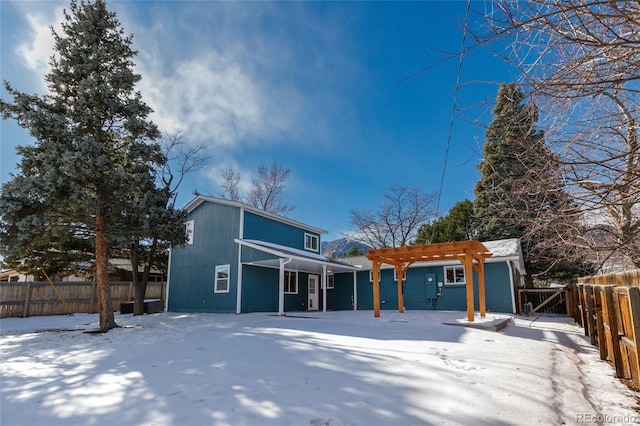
<point x="124" y="264"/>
<point x="502" y="250"/>
<point x="199" y="199"/>
<point x="300" y="259"/>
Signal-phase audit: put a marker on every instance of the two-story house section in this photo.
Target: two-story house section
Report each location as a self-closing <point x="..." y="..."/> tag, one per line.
<point x="242" y="259"/>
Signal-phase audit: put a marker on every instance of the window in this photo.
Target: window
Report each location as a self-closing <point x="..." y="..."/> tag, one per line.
<point x="395" y="275"/>
<point x="189" y="231"/>
<point x="310" y="242"/>
<point x="290" y="282"/>
<point x="454" y="275"/>
<point x="330" y="282"/>
<point x="222" y="279"/>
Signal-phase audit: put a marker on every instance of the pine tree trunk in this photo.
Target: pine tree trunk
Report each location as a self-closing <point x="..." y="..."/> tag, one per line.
<point x="105" y="304"/>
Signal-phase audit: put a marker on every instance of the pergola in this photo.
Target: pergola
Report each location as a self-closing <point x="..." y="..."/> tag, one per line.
<point x="471" y="254"/>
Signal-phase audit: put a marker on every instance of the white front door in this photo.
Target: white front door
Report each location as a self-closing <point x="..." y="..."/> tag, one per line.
<point x="313" y="293"/>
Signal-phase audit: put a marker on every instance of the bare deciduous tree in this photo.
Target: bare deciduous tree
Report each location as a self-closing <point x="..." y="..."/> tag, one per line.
<point x="158" y="225"/>
<point x="266" y="190"/>
<point x="182" y="159"/>
<point x="231" y="184"/>
<point x="395" y="223"/>
<point x="579" y="63"/>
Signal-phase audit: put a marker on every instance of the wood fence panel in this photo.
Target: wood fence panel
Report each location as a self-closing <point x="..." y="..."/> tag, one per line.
<point x="22" y="299"/>
<point x="591" y="313"/>
<point x="629" y="308"/>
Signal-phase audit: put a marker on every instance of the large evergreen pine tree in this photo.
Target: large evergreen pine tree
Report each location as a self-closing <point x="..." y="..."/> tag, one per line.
<point x="510" y="143"/>
<point x="92" y="144"/>
<point x="520" y="193"/>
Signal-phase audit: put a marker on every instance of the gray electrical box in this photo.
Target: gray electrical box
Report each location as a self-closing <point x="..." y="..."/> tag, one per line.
<point x="431" y="284"/>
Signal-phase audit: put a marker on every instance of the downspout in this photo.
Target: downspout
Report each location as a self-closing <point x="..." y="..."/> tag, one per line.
<point x="166" y="296"/>
<point x="513" y="296"/>
<point x="324" y="288"/>
<point x="239" y="267"/>
<point x="283" y="262"/>
<point x="355" y="290"/>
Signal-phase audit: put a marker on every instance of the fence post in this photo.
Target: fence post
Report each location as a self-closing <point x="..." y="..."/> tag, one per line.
<point x="634" y="302"/>
<point x="588" y="296"/>
<point x="27" y="294"/>
<point x="616" y="354"/>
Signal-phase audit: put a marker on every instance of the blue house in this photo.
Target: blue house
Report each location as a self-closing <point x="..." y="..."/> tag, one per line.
<point x="242" y="259"/>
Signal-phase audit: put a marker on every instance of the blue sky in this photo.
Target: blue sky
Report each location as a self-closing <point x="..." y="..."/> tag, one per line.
<point x="318" y="86"/>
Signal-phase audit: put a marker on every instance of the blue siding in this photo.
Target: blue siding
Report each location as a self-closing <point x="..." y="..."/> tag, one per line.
<point x="257" y="227"/>
<point x="259" y="289"/>
<point x="193" y="266"/>
<point x="340" y="298"/>
<point x="452" y="297"/>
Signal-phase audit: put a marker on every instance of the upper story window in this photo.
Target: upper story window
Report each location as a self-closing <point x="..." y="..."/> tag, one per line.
<point x="311" y="242"/>
<point x="189" y="225"/>
<point x="454" y="275"/>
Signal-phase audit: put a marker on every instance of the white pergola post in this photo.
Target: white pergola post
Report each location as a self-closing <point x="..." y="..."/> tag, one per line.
<point x="324" y="288"/>
<point x="281" y="287"/>
<point x="355" y="291"/>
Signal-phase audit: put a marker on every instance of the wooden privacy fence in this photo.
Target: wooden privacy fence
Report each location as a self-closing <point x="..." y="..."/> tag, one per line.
<point x="610" y="315"/>
<point x="25" y="299"/>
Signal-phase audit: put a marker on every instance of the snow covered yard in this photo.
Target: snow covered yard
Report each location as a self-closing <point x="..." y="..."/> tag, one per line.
<point x="335" y="368"/>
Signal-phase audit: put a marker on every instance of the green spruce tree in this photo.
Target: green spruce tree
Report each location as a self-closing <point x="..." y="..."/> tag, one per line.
<point x="521" y="191"/>
<point x="93" y="144"/>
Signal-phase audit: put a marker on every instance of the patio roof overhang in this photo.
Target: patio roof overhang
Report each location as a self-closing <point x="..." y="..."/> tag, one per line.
<point x="472" y="254"/>
<point x="299" y="259"/>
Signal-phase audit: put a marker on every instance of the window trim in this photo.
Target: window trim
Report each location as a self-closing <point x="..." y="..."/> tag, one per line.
<point x="287" y="281"/>
<point x="216" y="279"/>
<point x="395" y="275"/>
<point x="311" y="237"/>
<point x="454" y="268"/>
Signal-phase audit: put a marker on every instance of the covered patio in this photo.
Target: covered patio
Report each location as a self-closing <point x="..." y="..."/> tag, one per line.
<point x="279" y="257"/>
<point x="471" y="254"/>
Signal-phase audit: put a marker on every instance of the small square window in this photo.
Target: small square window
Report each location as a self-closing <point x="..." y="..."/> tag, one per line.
<point x="454" y="275"/>
<point x="221" y="284"/>
<point x="290" y="282"/>
<point x="311" y="242"/>
<point x="189" y="231"/>
<point x="395" y="275"/>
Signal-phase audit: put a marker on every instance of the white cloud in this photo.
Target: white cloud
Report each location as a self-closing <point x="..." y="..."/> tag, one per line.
<point x="36" y="49"/>
<point x="210" y="98"/>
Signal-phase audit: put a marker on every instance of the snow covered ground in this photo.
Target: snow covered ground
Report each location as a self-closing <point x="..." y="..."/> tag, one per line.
<point x="335" y="368"/>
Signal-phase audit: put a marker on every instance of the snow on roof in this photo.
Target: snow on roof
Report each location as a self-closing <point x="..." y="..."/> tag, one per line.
<point x="504" y="248"/>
